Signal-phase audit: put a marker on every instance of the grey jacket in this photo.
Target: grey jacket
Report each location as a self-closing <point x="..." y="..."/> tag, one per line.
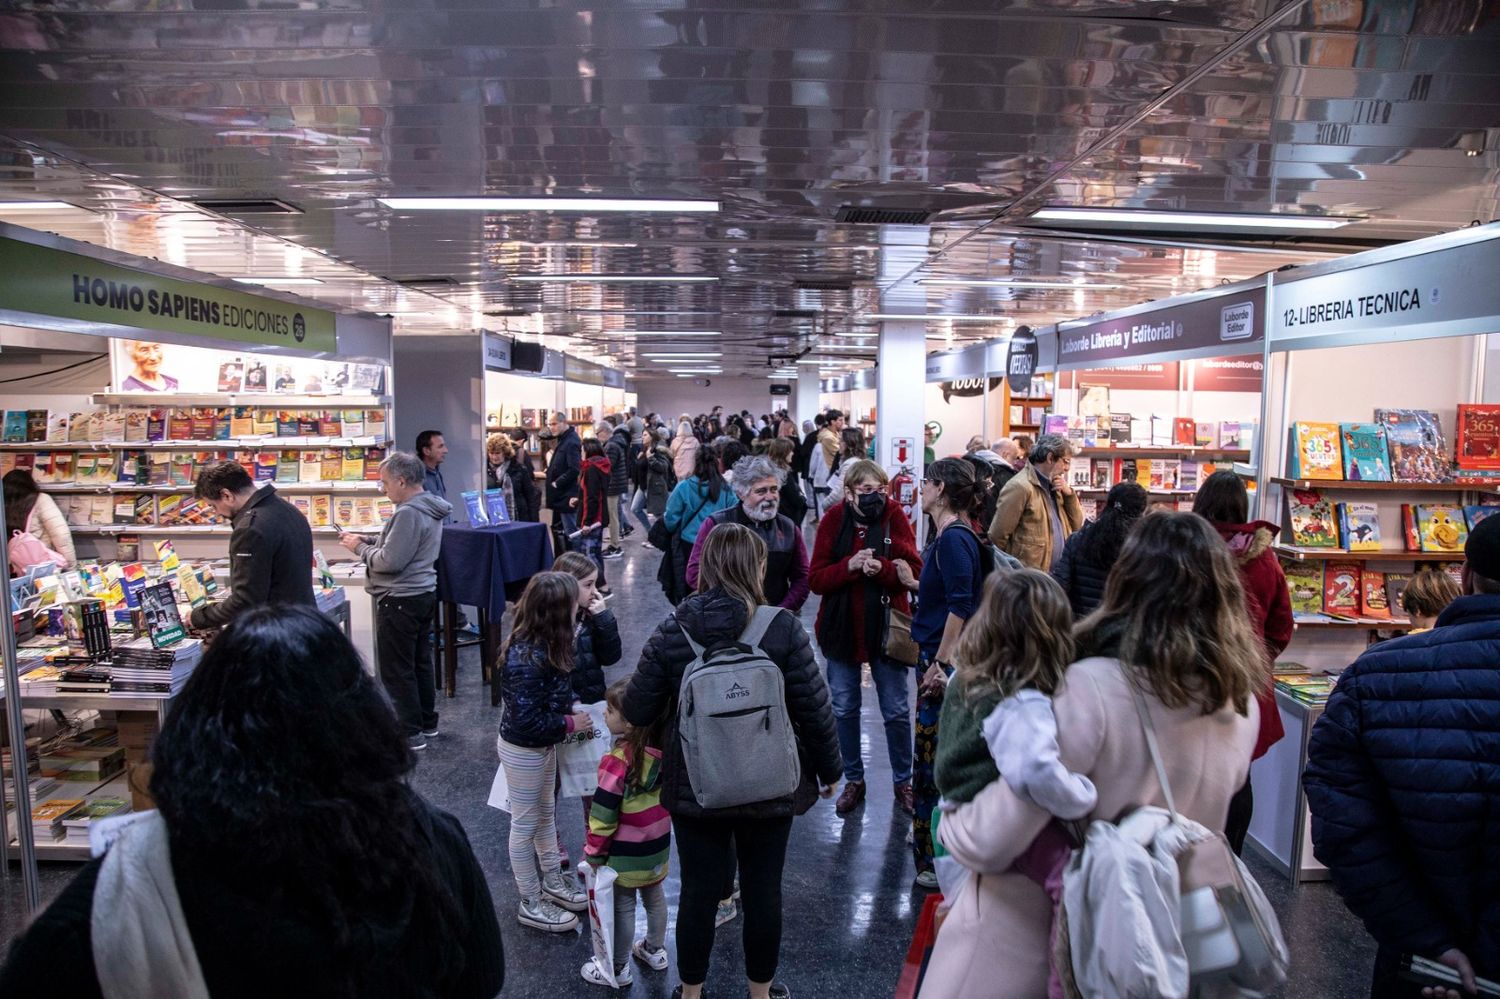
<point x="404" y="562"/>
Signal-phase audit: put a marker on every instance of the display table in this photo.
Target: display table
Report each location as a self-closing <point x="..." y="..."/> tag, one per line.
<point x="483" y="567"/>
<point x="1281" y="826"/>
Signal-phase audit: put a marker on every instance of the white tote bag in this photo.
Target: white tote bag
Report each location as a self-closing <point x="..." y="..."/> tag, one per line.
<point x="579" y="754"/>
<point x="499" y="788"/>
<point x="600" y="882"/>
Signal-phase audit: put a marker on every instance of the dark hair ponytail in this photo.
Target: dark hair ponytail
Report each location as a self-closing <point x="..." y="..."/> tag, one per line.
<point x="961" y="490"/>
<point x="1102" y="541"/>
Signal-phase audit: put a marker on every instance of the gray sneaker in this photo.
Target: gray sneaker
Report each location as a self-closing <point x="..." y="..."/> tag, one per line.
<point x="564" y="892"/>
<point x="541" y="914"/>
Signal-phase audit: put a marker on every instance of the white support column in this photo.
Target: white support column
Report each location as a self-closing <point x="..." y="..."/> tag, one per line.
<point x="901" y="361"/>
<point x="805" y="398"/>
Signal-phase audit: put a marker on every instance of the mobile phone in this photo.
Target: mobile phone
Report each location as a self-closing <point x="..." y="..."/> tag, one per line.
<point x="1422" y="971"/>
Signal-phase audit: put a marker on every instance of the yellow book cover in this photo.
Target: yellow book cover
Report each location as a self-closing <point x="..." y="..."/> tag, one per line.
<point x="353" y="465"/>
<point x="364" y="512"/>
<point x="343" y="511"/>
<point x="322" y="510"/>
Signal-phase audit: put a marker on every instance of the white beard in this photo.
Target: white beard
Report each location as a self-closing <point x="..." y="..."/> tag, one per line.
<point x="761" y="514"/>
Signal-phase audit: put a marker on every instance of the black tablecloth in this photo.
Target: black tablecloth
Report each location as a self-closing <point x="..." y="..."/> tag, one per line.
<point x="483" y="566"/>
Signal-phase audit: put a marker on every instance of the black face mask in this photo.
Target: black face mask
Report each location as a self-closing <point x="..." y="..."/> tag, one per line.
<point x="870" y="505"/>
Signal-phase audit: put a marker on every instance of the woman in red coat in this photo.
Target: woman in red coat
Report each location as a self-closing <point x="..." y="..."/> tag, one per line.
<point x="1223" y="502"/>
<point x="863" y="548"/>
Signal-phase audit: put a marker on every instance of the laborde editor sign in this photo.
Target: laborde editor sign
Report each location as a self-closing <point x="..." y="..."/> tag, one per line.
<point x="51" y="282"/>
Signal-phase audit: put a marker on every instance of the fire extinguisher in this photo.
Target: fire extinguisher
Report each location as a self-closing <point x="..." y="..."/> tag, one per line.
<point x="903" y="490"/>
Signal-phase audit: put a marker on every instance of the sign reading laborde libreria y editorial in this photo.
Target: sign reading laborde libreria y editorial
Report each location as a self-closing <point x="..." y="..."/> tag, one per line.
<point x="51" y="282"/>
<point x="1229" y="321"/>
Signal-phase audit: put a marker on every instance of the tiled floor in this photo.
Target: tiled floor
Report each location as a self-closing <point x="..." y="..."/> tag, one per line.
<point x="849" y="907"/>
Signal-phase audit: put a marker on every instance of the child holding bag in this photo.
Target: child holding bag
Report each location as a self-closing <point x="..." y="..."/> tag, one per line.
<point x="631" y="832"/>
<point x="538" y="698"/>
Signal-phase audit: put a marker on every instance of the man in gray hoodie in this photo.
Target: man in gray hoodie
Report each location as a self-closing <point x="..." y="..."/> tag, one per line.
<point x="401" y="574"/>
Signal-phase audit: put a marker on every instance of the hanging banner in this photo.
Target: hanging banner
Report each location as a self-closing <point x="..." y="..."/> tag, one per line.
<point x="1228" y="374"/>
<point x="1231" y="322"/>
<point x="1020" y="360"/>
<point x="50" y="282"/>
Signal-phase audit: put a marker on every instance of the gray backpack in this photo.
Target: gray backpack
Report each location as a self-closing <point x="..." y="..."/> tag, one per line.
<point x="737" y="739"/>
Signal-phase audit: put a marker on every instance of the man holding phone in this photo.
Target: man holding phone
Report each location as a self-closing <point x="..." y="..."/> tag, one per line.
<point x="1037" y="509"/>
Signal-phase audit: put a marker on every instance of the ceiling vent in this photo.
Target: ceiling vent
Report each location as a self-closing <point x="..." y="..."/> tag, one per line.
<point x="248" y="206"/>
<point x="795" y="313"/>
<point x="432" y="283"/>
<point x="826" y="282"/>
<point x="855" y="215"/>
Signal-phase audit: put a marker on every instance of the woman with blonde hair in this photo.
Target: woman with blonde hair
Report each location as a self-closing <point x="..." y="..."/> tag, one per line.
<point x="684" y="450"/>
<point x="1170" y="646"/>
<point x="711" y="840"/>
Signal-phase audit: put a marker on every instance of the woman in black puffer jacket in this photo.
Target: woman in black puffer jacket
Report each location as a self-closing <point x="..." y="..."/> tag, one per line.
<point x="1091" y="552"/>
<point x="709" y="840"/>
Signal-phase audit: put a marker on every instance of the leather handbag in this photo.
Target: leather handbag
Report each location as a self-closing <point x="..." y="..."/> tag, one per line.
<point x="898" y="645"/>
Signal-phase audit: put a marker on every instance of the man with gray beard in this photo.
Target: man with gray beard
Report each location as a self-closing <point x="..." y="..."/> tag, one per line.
<point x="757" y="482"/>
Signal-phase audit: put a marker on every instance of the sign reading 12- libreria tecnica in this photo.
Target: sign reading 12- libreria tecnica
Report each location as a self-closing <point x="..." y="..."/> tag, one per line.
<point x="50" y="282"/>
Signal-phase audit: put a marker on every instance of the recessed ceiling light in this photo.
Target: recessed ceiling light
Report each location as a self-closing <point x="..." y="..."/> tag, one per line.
<point x="666" y="334"/>
<point x="678" y="205"/>
<point x="670" y="355"/>
<point x="34" y="206"/>
<point x="934" y="317"/>
<point x="615" y="278"/>
<point x="269" y="281"/>
<point x="1064" y="284"/>
<point x="1193" y="220"/>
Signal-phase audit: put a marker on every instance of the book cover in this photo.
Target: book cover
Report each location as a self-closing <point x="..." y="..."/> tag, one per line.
<point x="112" y="426"/>
<point x="364" y="512"/>
<point x="1121" y="429"/>
<point x="1055" y="424"/>
<point x="101" y="511"/>
<point x="1364" y="452"/>
<point x="1124" y="470"/>
<point x="130" y="468"/>
<point x="36" y="426"/>
<point x="1143" y="468"/>
<point x="1341" y="588"/>
<point x="353" y="465"/>
<point x="343" y="511"/>
<point x="1372" y="598"/>
<point x="1314" y="452"/>
<point x="156" y="425"/>
<point x="331" y="464"/>
<point x="303" y="505"/>
<point x="57" y="427"/>
<point x="255" y="376"/>
<point x="373" y="457"/>
<point x="1474" y="514"/>
<point x="1311" y="517"/>
<point x="287" y="466"/>
<point x="264" y="422"/>
<point x="169" y="509"/>
<point x="1395" y="585"/>
<point x="15" y="426"/>
<point x="309" y="466"/>
<point x="158" y="468"/>
<point x="144" y="509"/>
<point x="1478" y="436"/>
<point x="286" y="423"/>
<point x="77" y="427"/>
<point x="180" y="425"/>
<point x="1184" y="431"/>
<point x="1205" y="434"/>
<point x="1099" y="477"/>
<point x="191" y="587"/>
<point x="1080" y="473"/>
<point x="384" y="510"/>
<point x="1414" y="437"/>
<point x="182" y="471"/>
<point x="1229" y="435"/>
<point x="62" y="467"/>
<point x="330" y="425"/>
<point x="529" y="419"/>
<point x="163" y="622"/>
<point x="265" y="465"/>
<point x="242" y="422"/>
<point x="308" y="425"/>
<point x="1161" y="431"/>
<point x="475" y="505"/>
<point x="223" y="422"/>
<point x="1359" y="526"/>
<point x="375" y="424"/>
<point x="494" y="503"/>
<point x="1441" y="528"/>
<point x="285" y="382"/>
<point x="136" y="424"/>
<point x="353" y="422"/>
<point x="232" y="375"/>
<point x="1409" y="537"/>
<point x="86" y="468"/>
<point x="1304" y="581"/>
<point x="322" y="510"/>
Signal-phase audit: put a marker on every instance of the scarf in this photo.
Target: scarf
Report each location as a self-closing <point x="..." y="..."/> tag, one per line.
<point x="836" y="637"/>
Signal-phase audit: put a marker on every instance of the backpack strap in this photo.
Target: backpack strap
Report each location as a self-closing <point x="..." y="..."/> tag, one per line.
<point x="759" y="624"/>
<point x="697" y="649"/>
<point x="1151" y="747"/>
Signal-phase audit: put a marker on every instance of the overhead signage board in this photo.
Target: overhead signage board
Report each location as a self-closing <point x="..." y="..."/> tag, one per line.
<point x="554" y="364"/>
<point x="47" y="281"/>
<point x="971" y="362"/>
<point x="1450" y="290"/>
<point x="496" y="351"/>
<point x="1021" y="360"/>
<point x="1226" y="324"/>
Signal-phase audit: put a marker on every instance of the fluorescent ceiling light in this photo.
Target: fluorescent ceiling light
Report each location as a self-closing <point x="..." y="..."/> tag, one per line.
<point x="861" y="334"/>
<point x="682" y="354"/>
<point x="665" y="334"/>
<point x="815" y="360"/>
<point x="34" y="206"/>
<point x="278" y="281"/>
<point x="678" y="205"/>
<point x="615" y="278"/>
<point x="847" y="346"/>
<point x="933" y="318"/>
<point x="1194" y="220"/>
<point x="1024" y="283"/>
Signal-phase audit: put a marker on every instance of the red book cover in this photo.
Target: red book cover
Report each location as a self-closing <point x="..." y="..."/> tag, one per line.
<point x="1184" y="432"/>
<point x="180" y="426"/>
<point x="1478" y="436"/>
<point x="1372" y="596"/>
<point x="1341" y="588"/>
<point x="1409" y="535"/>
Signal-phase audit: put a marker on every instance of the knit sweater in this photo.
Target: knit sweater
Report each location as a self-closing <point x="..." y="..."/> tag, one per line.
<point x="629" y="830"/>
<point x="963" y="764"/>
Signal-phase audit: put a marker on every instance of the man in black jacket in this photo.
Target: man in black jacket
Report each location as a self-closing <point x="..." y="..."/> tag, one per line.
<point x="563" y="471"/>
<point x="270" y="551"/>
<point x="616" y="441"/>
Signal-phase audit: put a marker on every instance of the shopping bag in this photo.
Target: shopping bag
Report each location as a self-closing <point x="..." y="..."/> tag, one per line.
<point x="499" y="790"/>
<point x="579" y="754"/>
<point x="920" y="951"/>
<point x="600" y="883"/>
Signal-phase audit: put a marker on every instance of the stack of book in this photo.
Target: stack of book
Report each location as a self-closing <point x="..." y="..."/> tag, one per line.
<point x="92" y="756"/>
<point x="47" y="817"/>
<point x="1305" y="688"/>
<point x="76" y="822"/>
<point x="139" y="670"/>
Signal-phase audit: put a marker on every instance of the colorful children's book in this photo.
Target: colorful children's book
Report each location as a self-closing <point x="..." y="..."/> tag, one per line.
<point x="474" y="503"/>
<point x="1474" y="514"/>
<point x="1395" y="585"/>
<point x="1410" y="540"/>
<point x="1304" y="581"/>
<point x="1372" y="598"/>
<point x="1313" y="451"/>
<point x="1341" y="588"/>
<point x="1478" y="436"/>
<point x="1359" y="526"/>
<point x="1417" y="448"/>
<point x="364" y="512"/>
<point x="1441" y="528"/>
<point x="1311" y="517"/>
<point x="1365" y="452"/>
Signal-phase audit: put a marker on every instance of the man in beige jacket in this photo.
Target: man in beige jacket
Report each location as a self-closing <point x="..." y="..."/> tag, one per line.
<point x="1037" y="510"/>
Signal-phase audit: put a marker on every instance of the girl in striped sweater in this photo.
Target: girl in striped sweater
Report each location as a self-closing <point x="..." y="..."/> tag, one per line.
<point x="630" y="831"/>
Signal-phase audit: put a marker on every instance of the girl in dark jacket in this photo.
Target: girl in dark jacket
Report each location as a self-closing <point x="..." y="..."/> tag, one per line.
<point x="729" y="589"/>
<point x="537" y="695"/>
<point x="654" y="472"/>
<point x="1090" y="553"/>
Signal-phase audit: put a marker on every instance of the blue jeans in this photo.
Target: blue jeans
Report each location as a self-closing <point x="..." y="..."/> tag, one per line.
<point x="590" y="543"/>
<point x="638" y="507"/>
<point x="893" y="683"/>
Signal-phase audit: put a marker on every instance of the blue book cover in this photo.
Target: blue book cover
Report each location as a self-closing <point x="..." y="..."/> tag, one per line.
<point x="1364" y="452"/>
<point x="1474" y="514"/>
<point x="15" y="426"/>
<point x="475" y="506"/>
<point x="494" y="501"/>
<point x="1414" y="438"/>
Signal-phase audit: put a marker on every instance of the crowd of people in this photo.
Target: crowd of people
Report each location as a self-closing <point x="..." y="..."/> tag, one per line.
<point x="1064" y="671"/>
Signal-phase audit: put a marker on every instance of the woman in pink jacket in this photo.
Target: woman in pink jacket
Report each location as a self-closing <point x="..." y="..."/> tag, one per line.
<point x="684" y="450"/>
<point x="1174" y="610"/>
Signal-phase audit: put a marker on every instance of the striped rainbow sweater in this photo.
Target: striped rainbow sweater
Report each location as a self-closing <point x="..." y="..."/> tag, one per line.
<point x="629" y="829"/>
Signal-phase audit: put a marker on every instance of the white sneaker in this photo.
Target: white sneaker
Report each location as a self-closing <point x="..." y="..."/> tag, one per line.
<point x="564" y="892"/>
<point x="541" y="914"/>
<point x="726" y="912"/>
<point x="594" y="975"/>
<point x="656" y="960"/>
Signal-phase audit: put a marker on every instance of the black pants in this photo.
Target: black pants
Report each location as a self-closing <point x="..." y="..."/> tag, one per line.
<point x="708" y="849"/>
<point x="1237" y="824"/>
<point x="402" y="625"/>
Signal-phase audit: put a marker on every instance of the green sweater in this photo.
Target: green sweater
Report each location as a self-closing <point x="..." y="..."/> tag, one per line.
<point x="963" y="765"/>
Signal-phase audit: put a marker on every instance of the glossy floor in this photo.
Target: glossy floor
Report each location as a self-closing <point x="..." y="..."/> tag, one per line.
<point x="849" y="908"/>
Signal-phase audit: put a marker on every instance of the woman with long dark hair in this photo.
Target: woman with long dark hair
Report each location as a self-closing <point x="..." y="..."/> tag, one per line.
<point x="29" y="509"/>
<point x="1170" y="642"/>
<point x="1090" y="553"/>
<point x="300" y="861"/>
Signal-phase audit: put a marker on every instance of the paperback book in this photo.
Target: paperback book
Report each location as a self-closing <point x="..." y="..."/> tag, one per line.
<point x="474" y="503"/>
<point x="163" y="622"/>
<point x="1311" y="517"/>
<point x="1359" y="526"/>
<point x="1304" y="581"/>
<point x="1313" y="451"/>
<point x="1372" y="598"/>
<point x="1474" y="514"/>
<point x="494" y="502"/>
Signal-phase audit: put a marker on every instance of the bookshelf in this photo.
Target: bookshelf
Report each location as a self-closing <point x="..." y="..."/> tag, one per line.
<point x="1387" y="487"/>
<point x="1364" y="624"/>
<point x="1196" y="453"/>
<point x="254" y="399"/>
<point x="1300" y="553"/>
